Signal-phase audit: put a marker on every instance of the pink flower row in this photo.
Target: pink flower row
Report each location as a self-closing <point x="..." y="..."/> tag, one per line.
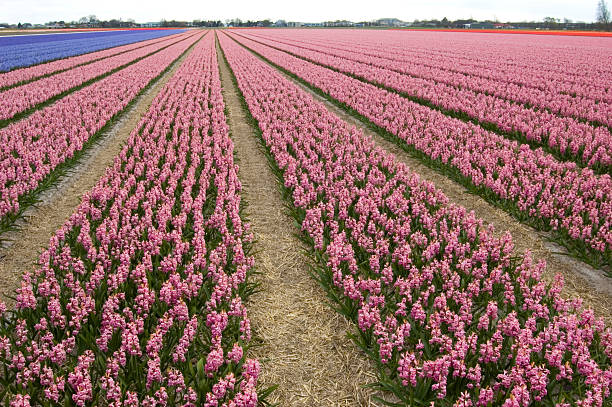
<point x="25" y="74"/>
<point x="579" y="141"/>
<point x="449" y="312"/>
<point x="30" y="149"/>
<point x="21" y="98"/>
<point x="136" y="301"/>
<point x="559" y="64"/>
<point x="575" y="202"/>
<point x="524" y="69"/>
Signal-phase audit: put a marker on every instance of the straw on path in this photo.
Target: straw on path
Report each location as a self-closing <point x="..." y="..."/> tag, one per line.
<point x="581" y="280"/>
<point x="23" y="246"/>
<point x="305" y="349"/>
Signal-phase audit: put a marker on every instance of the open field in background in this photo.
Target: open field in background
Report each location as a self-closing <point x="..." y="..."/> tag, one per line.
<point x="49" y="31"/>
<point x="70" y="30"/>
<point x="306" y="217"/>
<point x="570" y="33"/>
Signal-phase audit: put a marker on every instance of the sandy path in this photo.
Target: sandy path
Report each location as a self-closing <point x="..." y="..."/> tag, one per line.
<point x="304" y="345"/>
<point x="580" y="279"/>
<point x="23" y="247"/>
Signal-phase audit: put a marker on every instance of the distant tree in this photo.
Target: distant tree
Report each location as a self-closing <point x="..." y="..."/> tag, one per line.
<point x="83" y="20"/>
<point x="19" y="25"/>
<point x="207" y="23"/>
<point x="113" y="23"/>
<point x="603" y="14"/>
<point x="550" y="22"/>
<point x="173" y="23"/>
<point x="462" y="22"/>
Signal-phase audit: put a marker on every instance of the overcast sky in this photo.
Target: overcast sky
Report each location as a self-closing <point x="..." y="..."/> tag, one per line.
<point x="41" y="11"/>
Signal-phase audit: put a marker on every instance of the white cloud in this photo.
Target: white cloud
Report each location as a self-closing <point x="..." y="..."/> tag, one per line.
<point x="40" y="11"/>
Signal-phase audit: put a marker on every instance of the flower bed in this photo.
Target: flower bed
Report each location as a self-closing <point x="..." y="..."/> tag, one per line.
<point x="568" y="76"/>
<point x="19" y="76"/>
<point x="566" y="137"/>
<point x="139" y="298"/>
<point x="532" y="185"/>
<point x="25" y="50"/>
<point x="17" y="100"/>
<point x="447" y="314"/>
<point x="31" y="150"/>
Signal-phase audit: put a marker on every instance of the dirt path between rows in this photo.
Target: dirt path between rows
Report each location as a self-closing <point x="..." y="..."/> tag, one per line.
<point x="22" y="247"/>
<point x="581" y="280"/>
<point x="304" y="350"/>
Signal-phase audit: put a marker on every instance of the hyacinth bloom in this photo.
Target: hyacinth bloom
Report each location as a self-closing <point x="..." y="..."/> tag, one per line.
<point x="17" y="76"/>
<point x="20" y="98"/>
<point x="30" y="149"/>
<point x="451" y="317"/>
<point x="27" y="50"/>
<point x="567" y="76"/>
<point x="575" y="203"/>
<point x="568" y="136"/>
<point x="138" y="299"/>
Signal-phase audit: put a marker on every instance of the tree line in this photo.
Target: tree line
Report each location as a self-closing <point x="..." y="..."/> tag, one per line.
<point x="602" y="22"/>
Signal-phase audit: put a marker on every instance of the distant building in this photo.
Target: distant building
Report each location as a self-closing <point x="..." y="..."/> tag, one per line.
<point x="151" y="24"/>
<point x="503" y="26"/>
<point x="389" y="22"/>
<point x="339" y="23"/>
<point x="480" y="26"/>
<point x="280" y="23"/>
<point x="295" y="24"/>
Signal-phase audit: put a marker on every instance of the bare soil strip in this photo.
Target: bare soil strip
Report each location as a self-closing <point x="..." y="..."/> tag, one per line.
<point x="580" y="279"/>
<point x="23" y="246"/>
<point x="305" y="349"/>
